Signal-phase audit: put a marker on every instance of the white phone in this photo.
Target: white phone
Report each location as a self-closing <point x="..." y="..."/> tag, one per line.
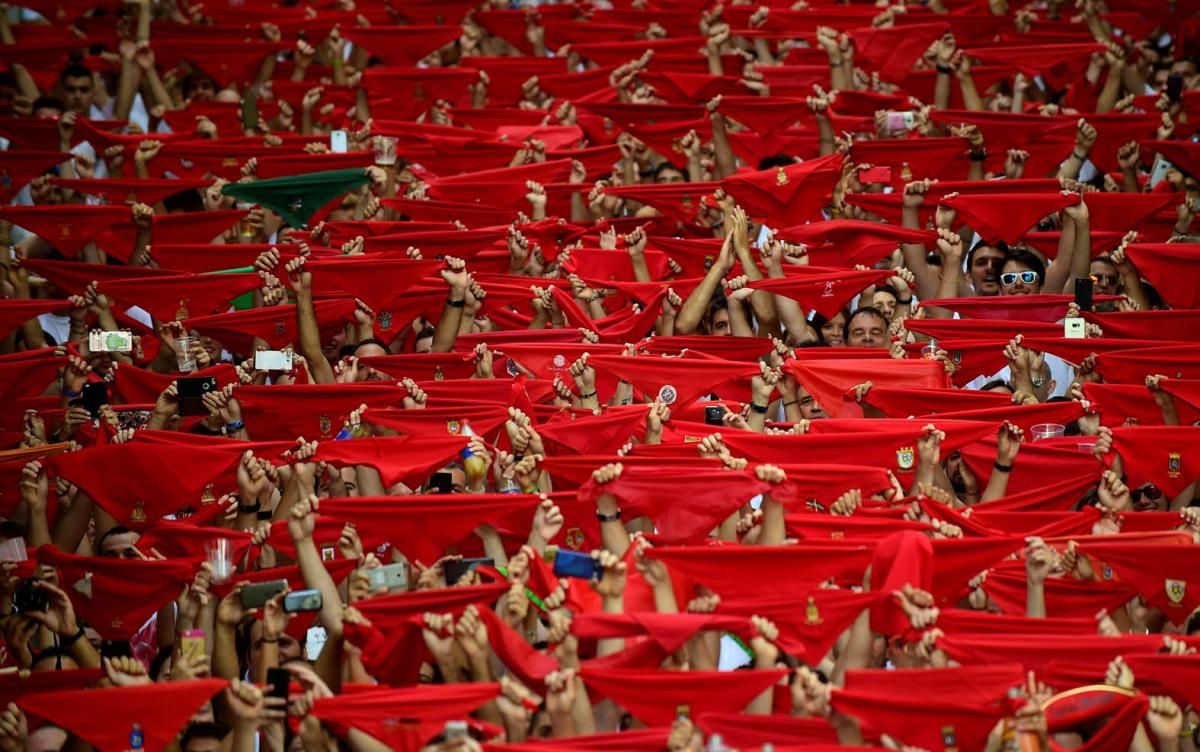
<point x="273" y="360"/>
<point x="338" y="142"/>
<point x="901" y="121"/>
<point x="1158" y="172"/>
<point x="102" y="341"/>
<point x="1075" y="328"/>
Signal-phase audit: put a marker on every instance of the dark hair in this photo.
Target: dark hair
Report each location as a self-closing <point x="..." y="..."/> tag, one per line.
<point x="49" y="103"/>
<point x="202" y="730"/>
<point x="818" y="322"/>
<point x="1027" y="258"/>
<point x="184" y="201"/>
<point x="775" y="160"/>
<point x="995" y="383"/>
<point x="999" y="245"/>
<point x="863" y="311"/>
<point x="114" y="530"/>
<point x="192" y="81"/>
<point x="372" y="341"/>
<point x="74" y="70"/>
<point x="888" y="289"/>
<point x="664" y="165"/>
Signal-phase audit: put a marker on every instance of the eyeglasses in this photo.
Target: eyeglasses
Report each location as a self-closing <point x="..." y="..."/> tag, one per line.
<point x="1111" y="279"/>
<point x="1010" y="278"/>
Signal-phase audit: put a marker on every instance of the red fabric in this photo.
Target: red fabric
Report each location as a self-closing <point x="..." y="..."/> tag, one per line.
<point x="27" y="374"/>
<point x="633" y="740"/>
<point x="930" y="722"/>
<point x="73" y="278"/>
<point x="893" y="50"/>
<point x="1034" y="59"/>
<point x="1183" y="324"/>
<point x="809" y="625"/>
<point x="1168" y="456"/>
<point x="684" y="509"/>
<point x="961" y="620"/>
<point x="981" y="685"/>
<point x="981" y="328"/>
<point x="310" y="410"/>
<point x="1045" y="307"/>
<point x="116" y="596"/>
<point x="909" y="158"/>
<point x="597" y="434"/>
<point x="854" y="241"/>
<point x="906" y="402"/>
<point x="1094" y="651"/>
<point x="403" y="719"/>
<point x="787" y="195"/>
<point x="117" y="190"/>
<point x="1161" y="572"/>
<point x="726" y="569"/>
<point x="138" y="386"/>
<point x="192" y="227"/>
<point x="181" y="297"/>
<point x="669" y="631"/>
<point x="275" y="325"/>
<point x="18" y="167"/>
<point x="67" y="227"/>
<point x="1133" y="366"/>
<point x="1122" y="212"/>
<point x="398" y="459"/>
<point x="103" y="473"/>
<point x="828" y="380"/>
<point x="672" y="380"/>
<point x="642" y="692"/>
<point x="376" y="281"/>
<point x="1006" y="216"/>
<point x="19" y="684"/>
<point x="824" y="290"/>
<point x="485" y="420"/>
<point x="741" y="730"/>
<point x="1168" y="266"/>
<point x="159" y="711"/>
<point x="1177" y="675"/>
<point x="15" y="312"/>
<point x="442" y="520"/>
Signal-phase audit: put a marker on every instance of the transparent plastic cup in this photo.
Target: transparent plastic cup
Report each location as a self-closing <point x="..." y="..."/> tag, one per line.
<point x="184" y="358"/>
<point x="385" y="149"/>
<point x="1047" y="431"/>
<point x="219" y="554"/>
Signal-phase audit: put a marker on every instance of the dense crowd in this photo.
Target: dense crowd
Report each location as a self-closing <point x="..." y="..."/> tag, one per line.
<point x="447" y="375"/>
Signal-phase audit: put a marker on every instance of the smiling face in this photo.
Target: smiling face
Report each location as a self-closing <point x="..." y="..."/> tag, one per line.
<point x="983" y="273"/>
<point x="867" y="329"/>
<point x="831" y="331"/>
<point x="1018" y="279"/>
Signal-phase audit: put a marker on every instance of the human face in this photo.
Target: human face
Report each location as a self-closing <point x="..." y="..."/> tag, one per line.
<point x="1105" y="279"/>
<point x="720" y="324"/>
<point x="120" y="546"/>
<point x="1018" y="279"/>
<point x="78" y="93"/>
<point x="831" y="331"/>
<point x="982" y="272"/>
<point x="668" y="175"/>
<point x="885" y="302"/>
<point x="867" y="331"/>
<point x="810" y="409"/>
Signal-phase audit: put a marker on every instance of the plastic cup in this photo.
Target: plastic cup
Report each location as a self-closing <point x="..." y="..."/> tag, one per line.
<point x="219" y="554"/>
<point x="1086" y="447"/>
<point x="385" y="149"/>
<point x="184" y="358"/>
<point x="929" y="352"/>
<point x="1048" y="431"/>
<point x="246" y="228"/>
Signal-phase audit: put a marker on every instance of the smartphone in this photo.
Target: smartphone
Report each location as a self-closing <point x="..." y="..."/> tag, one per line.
<point x="273" y="360"/>
<point x="338" y="143"/>
<point x="278" y="680"/>
<point x="441" y="483"/>
<point x="94" y="396"/>
<point x="713" y="415"/>
<point x="455" y="730"/>
<point x="115" y="649"/>
<point x="391" y="576"/>
<point x="876" y="175"/>
<point x="302" y="600"/>
<point x="1074" y="329"/>
<point x="1174" y="87"/>
<point x="572" y="564"/>
<point x="256" y="594"/>
<point x="1158" y="172"/>
<point x="314" y="641"/>
<point x="29" y="597"/>
<point x="1083" y="293"/>
<point x="457" y="568"/>
<point x="900" y="121"/>
<point x="101" y="341"/>
<point x="191" y="644"/>
<point x="191" y="393"/>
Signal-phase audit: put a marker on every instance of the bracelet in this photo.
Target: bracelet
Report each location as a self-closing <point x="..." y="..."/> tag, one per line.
<point x="456" y="303"/>
<point x="65" y="642"/>
<point x="760" y="409"/>
<point x="614" y="517"/>
<point x="271" y="640"/>
<point x="255" y="507"/>
<point x="834" y="63"/>
<point x="793" y="402"/>
<point x="589" y="395"/>
<point x="947" y="70"/>
<point x="264" y="515"/>
<point x="903" y="302"/>
<point x="1002" y="468"/>
<point x="69" y="393"/>
<point x="1080" y="157"/>
<point x="234" y="426"/>
<point x="977" y="156"/>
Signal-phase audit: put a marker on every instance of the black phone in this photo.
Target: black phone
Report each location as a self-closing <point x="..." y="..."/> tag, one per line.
<point x="94" y="396"/>
<point x="1174" y="87"/>
<point x="278" y="680"/>
<point x="1083" y="293"/>
<point x="713" y="415"/>
<point x="456" y="568"/>
<point x="29" y="597"/>
<point x="191" y="393"/>
<point x="115" y="649"/>
<point x="256" y="594"/>
<point x="441" y="483"/>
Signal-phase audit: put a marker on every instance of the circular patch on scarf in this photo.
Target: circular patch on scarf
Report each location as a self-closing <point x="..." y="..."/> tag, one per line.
<point x="667" y="394"/>
<point x="560" y="360"/>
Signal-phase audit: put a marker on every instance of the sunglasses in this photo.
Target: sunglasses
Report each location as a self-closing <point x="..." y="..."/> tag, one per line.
<point x="1112" y="279"/>
<point x="1010" y="278"/>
